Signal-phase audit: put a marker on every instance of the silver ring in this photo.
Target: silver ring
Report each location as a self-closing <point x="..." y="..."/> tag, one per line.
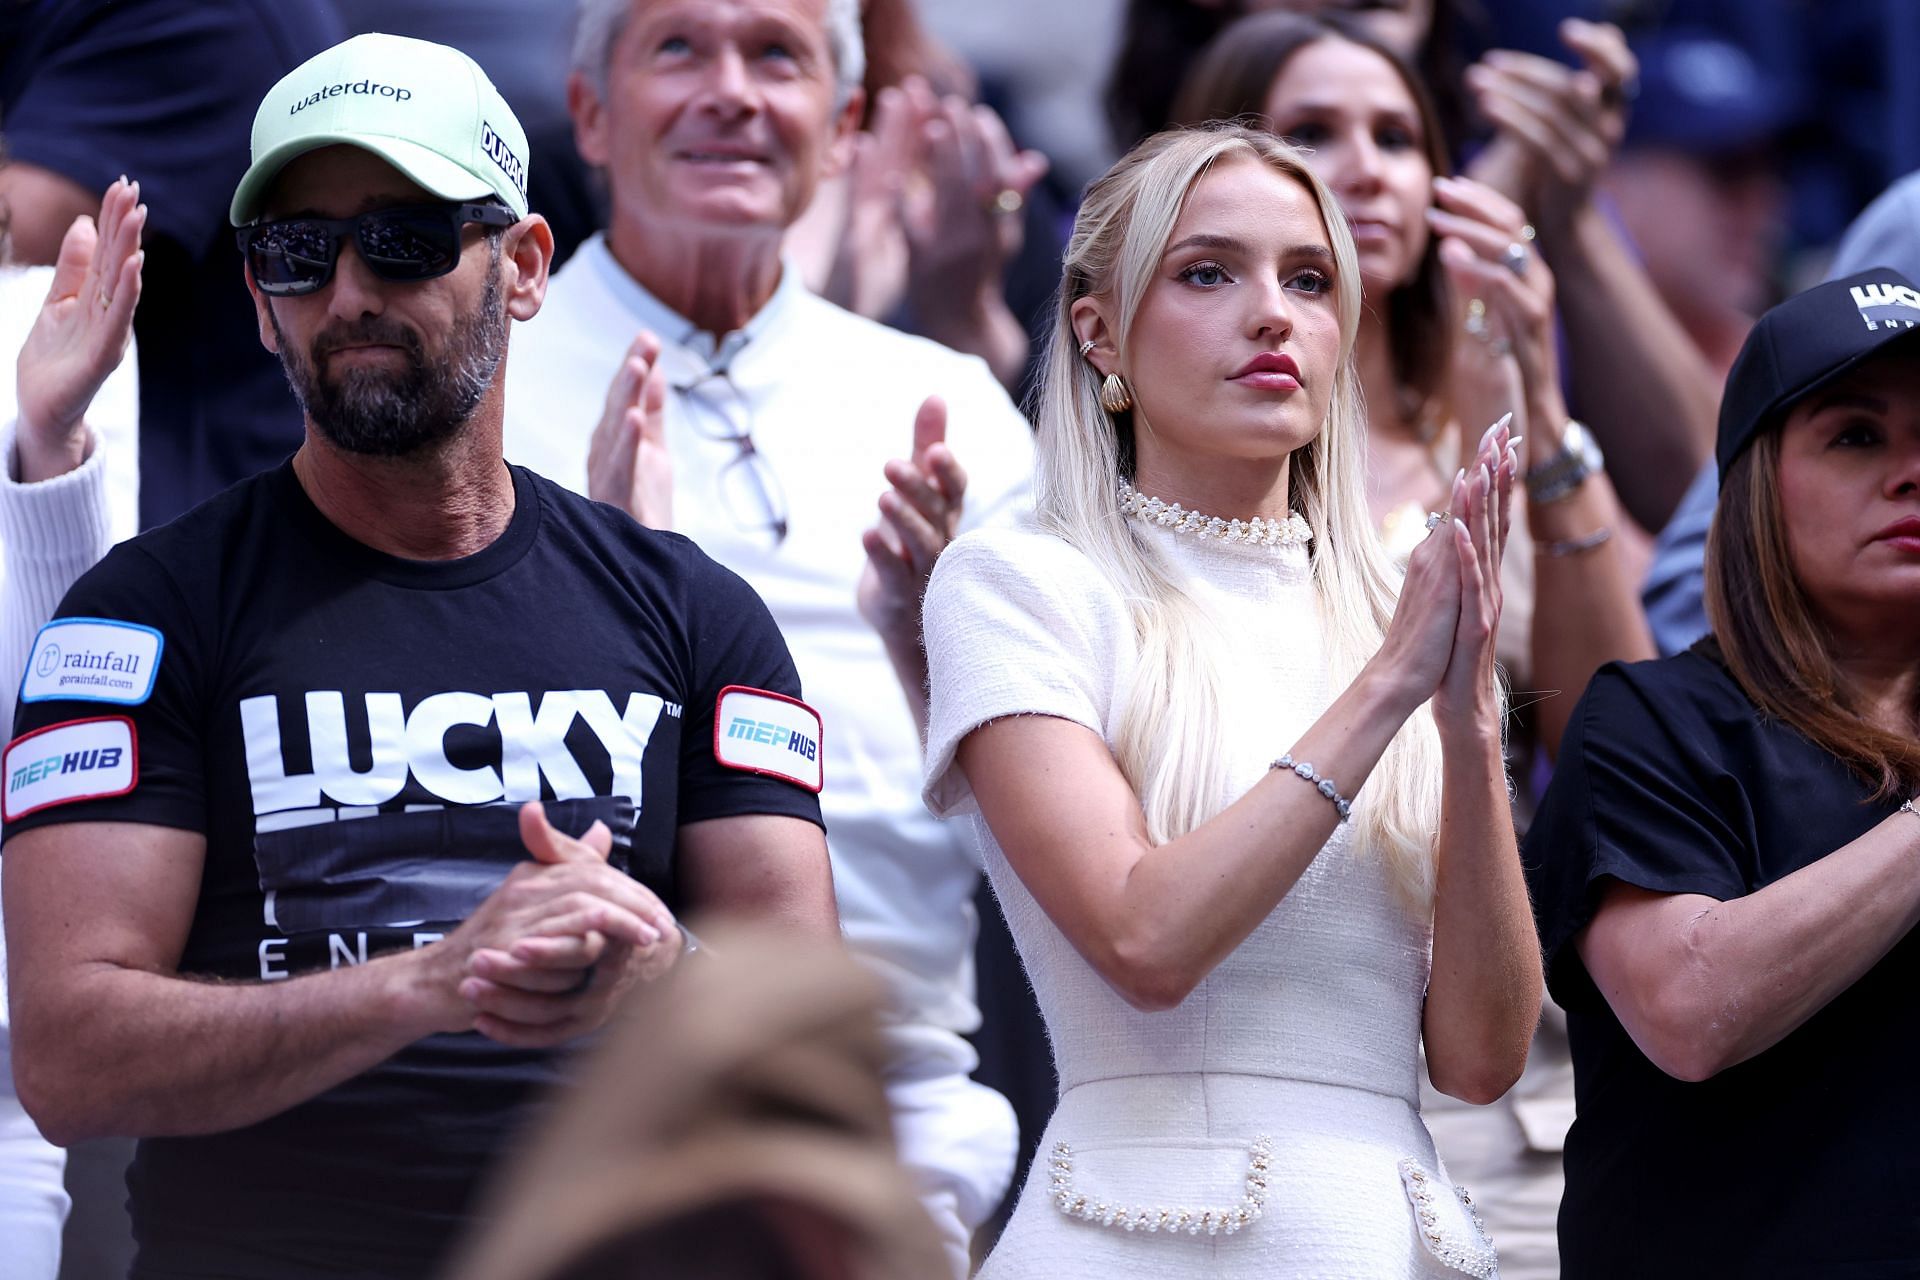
<point x="1086" y="346"/>
<point x="1515" y="259"/>
<point x="1434" y="519"/>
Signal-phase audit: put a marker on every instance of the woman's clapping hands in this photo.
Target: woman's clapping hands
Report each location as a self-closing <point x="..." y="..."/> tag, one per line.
<point x="1440" y="644"/>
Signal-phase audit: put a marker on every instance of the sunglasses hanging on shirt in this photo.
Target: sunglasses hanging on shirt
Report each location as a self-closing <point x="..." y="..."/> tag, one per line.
<point x="404" y="244"/>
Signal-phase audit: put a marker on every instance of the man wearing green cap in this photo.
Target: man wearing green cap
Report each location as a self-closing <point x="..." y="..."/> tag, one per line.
<point x="340" y="803"/>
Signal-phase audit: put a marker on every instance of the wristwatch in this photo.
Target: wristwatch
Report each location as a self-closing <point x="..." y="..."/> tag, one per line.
<point x="1557" y="477"/>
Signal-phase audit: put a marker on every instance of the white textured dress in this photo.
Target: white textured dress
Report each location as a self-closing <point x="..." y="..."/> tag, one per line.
<point x="1269" y="1125"/>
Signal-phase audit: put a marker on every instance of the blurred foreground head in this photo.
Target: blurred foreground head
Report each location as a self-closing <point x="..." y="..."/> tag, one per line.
<point x="730" y="1125"/>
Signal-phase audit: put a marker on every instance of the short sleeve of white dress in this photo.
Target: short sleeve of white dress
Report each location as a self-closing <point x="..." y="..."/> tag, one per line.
<point x="1017" y="622"/>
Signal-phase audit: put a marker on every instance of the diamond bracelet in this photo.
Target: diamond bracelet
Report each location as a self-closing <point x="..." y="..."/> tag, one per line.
<point x="1324" y="786"/>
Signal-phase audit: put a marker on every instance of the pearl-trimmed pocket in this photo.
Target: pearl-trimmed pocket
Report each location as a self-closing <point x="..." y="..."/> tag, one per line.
<point x="1448" y="1224"/>
<point x="1087" y="1206"/>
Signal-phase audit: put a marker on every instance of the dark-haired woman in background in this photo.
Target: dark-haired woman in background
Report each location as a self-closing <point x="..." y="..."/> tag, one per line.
<point x="1159" y="39"/>
<point x="1725" y="865"/>
<point x="1440" y="255"/>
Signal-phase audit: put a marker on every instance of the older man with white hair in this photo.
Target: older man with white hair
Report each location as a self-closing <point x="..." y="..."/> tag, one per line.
<point x="682" y="370"/>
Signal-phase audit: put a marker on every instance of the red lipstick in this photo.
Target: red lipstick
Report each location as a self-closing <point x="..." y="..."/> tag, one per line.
<point x="1270" y="371"/>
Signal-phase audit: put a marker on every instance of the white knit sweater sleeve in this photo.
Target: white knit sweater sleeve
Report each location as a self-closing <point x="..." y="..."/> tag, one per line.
<point x="1016" y="623"/>
<point x="50" y="534"/>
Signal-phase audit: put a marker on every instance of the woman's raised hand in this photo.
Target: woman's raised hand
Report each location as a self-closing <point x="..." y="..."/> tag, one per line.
<point x="81" y="333"/>
<point x="1440" y="643"/>
<point x="1507" y="289"/>
<point x="1419" y="640"/>
<point x="1565" y="122"/>
<point x="1464" y="702"/>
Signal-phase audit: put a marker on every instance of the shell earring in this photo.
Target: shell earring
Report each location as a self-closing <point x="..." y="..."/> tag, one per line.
<point x="1116" y="396"/>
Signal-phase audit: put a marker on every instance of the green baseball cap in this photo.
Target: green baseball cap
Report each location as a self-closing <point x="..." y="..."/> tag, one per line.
<point x="426" y="109"/>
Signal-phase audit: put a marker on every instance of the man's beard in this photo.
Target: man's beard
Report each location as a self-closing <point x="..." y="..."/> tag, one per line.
<point x="392" y="414"/>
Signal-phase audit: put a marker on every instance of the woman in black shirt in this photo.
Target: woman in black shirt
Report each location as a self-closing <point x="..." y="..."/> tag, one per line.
<point x="1725" y="868"/>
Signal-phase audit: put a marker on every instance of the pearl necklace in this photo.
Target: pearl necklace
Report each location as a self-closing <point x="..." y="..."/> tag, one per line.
<point x="1290" y="532"/>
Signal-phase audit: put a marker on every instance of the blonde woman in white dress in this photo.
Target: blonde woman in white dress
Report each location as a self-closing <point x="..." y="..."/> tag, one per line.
<point x="1238" y="962"/>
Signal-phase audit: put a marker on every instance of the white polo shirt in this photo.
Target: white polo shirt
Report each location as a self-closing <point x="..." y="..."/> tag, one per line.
<point x="828" y="397"/>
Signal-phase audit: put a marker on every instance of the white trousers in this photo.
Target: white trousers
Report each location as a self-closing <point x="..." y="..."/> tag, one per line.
<point x="33" y="1198"/>
<point x="958" y="1139"/>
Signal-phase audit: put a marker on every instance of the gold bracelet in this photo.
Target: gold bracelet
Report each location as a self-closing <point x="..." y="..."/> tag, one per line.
<point x="1577" y="546"/>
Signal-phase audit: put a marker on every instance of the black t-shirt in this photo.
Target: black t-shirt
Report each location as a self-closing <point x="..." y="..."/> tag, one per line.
<point x="354" y="733"/>
<point x="1800" y="1161"/>
<point x="164" y="91"/>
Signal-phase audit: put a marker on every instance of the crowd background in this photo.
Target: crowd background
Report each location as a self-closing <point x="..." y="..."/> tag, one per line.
<point x="1757" y="131"/>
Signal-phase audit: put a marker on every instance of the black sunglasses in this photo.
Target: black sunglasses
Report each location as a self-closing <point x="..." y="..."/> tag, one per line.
<point x="291" y="256"/>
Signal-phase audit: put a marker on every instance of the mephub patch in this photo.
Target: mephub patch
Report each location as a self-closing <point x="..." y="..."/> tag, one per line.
<point x="756" y="731"/>
<point x="62" y="763"/>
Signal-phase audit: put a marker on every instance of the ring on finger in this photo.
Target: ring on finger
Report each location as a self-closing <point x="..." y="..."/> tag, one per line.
<point x="105" y="301"/>
<point x="1499" y="347"/>
<point x="1007" y="201"/>
<point x="1516" y="259"/>
<point x="1435" y="519"/>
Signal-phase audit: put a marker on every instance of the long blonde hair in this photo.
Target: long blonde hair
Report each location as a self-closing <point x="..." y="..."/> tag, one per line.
<point x="1168" y="741"/>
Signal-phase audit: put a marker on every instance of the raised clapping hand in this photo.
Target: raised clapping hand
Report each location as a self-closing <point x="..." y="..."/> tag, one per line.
<point x="81" y="333"/>
<point x="549" y="953"/>
<point x="926" y="213"/>
<point x="1482" y="504"/>
<point x="958" y="235"/>
<point x="919" y="516"/>
<point x="869" y="272"/>
<point x="1441" y="641"/>
<point x="1563" y="123"/>
<point x="627" y="462"/>
<point x="1479" y="230"/>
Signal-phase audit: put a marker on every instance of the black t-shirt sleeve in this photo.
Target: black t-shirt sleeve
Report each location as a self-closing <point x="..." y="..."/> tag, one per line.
<point x="128" y="597"/>
<point x="736" y="644"/>
<point x="163" y="91"/>
<point x="1637" y="796"/>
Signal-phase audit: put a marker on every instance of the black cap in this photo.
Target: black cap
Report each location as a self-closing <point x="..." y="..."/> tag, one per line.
<point x="1805" y="343"/>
